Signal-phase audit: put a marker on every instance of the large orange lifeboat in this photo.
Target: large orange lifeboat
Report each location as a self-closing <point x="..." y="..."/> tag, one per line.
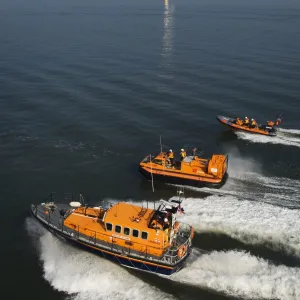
<point x="269" y="129"/>
<point x="134" y="236"/>
<point x="191" y="169"/>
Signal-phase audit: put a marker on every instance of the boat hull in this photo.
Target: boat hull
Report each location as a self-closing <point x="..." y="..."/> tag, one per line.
<point x="127" y="261"/>
<point x="229" y="123"/>
<point x="182" y="181"/>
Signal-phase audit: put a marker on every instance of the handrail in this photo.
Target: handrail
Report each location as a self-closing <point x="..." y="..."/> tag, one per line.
<point x="108" y="236"/>
<point x="104" y="235"/>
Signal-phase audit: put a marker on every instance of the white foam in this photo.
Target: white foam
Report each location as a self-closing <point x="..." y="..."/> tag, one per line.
<point x="281" y="138"/>
<point x="87" y="276"/>
<point x="253" y="186"/>
<point x="292" y="131"/>
<point x="248" y="221"/>
<point x="241" y="274"/>
<point x="247" y="181"/>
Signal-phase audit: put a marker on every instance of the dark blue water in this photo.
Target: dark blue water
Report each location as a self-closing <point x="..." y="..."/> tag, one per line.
<point x="86" y="91"/>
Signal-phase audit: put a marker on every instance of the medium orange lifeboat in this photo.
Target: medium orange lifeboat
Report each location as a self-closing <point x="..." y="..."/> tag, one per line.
<point x="134" y="236"/>
<point x="190" y="170"/>
<point x="269" y="129"/>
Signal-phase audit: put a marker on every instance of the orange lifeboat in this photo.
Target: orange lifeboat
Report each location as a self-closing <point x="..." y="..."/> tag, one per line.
<point x="190" y="170"/>
<point x="268" y="129"/>
<point x="134" y="236"/>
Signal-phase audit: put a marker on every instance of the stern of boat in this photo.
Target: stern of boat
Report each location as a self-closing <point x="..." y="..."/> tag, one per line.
<point x="181" y="246"/>
<point x="218" y="165"/>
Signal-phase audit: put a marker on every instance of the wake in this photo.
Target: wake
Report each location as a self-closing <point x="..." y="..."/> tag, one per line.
<point x="288" y="137"/>
<point x="290" y="131"/>
<point x="240" y="274"/>
<point x="255" y="187"/>
<point x="85" y="276"/>
<point x="254" y="223"/>
<point x="246" y="182"/>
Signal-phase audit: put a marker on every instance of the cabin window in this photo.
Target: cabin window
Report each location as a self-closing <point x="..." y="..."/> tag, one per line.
<point x="118" y="228"/>
<point x="135" y="233"/>
<point x="157" y="161"/>
<point x="108" y="226"/>
<point x="126" y="231"/>
<point x="144" y="235"/>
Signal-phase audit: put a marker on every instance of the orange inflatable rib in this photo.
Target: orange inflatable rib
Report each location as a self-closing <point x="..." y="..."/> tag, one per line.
<point x="270" y="129"/>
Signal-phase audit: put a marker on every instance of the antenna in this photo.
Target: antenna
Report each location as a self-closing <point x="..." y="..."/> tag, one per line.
<point x="160" y="144"/>
<point x="81" y="199"/>
<point x="151" y="174"/>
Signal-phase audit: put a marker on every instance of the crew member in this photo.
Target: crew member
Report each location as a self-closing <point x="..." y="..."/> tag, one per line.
<point x="246" y="122"/>
<point x="253" y="123"/>
<point x="166" y="224"/>
<point x="171" y="157"/>
<point x="182" y="154"/>
<point x="270" y="123"/>
<point x="239" y="121"/>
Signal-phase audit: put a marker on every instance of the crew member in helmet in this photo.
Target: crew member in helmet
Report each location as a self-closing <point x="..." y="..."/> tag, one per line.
<point x="171" y="157"/>
<point x="253" y="123"/>
<point x="182" y="154"/>
<point x="246" y="122"/>
<point x="166" y="224"/>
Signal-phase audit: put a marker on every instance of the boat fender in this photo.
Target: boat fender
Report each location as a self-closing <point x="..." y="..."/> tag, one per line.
<point x="181" y="251"/>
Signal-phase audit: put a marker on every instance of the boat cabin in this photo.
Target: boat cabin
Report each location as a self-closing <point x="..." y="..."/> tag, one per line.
<point x="141" y="224"/>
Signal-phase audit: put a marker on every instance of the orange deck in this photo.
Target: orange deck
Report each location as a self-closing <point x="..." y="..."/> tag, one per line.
<point x="195" y="168"/>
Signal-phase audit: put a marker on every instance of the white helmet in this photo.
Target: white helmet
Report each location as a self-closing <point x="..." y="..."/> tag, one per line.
<point x="246" y="117"/>
<point x="171" y="150"/>
<point x="182" y="149"/>
<point x="166" y="220"/>
<point x="252" y="119"/>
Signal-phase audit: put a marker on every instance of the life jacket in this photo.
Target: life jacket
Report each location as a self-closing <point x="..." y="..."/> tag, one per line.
<point x="246" y="121"/>
<point x="171" y="155"/>
<point x="270" y="123"/>
<point x="253" y="122"/>
<point x="183" y="154"/>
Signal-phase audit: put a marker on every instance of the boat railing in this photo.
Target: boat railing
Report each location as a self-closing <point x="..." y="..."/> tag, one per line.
<point x="171" y="255"/>
<point x="185" y="233"/>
